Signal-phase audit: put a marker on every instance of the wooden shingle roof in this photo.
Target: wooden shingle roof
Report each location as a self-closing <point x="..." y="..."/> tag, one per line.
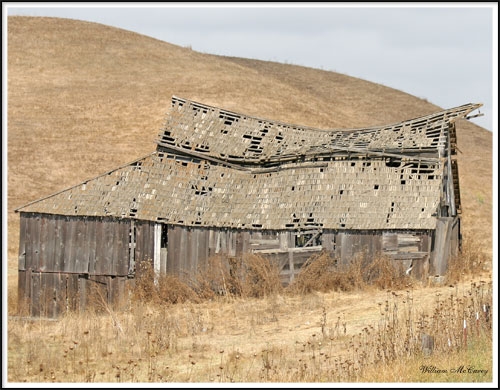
<point x="251" y="173"/>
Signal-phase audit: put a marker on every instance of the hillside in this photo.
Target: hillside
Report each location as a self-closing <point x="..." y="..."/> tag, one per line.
<point x="84" y="98"/>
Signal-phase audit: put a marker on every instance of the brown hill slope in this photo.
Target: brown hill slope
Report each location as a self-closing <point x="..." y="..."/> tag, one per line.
<point x="84" y="98"/>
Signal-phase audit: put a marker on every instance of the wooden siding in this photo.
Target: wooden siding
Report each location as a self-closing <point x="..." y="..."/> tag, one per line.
<point x="190" y="248"/>
<point x="81" y="245"/>
<point x="52" y="294"/>
<point x="61" y="257"/>
<point x="444" y="236"/>
<point x="72" y="255"/>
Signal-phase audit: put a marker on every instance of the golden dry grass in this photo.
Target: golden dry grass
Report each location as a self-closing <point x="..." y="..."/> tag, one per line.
<point x="175" y="331"/>
<point x="314" y="337"/>
<point x="84" y="98"/>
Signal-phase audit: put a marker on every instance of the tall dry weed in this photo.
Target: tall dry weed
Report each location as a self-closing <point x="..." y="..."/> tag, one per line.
<point x="170" y="289"/>
<point x="324" y="273"/>
<point x="470" y="261"/>
<point x="249" y="276"/>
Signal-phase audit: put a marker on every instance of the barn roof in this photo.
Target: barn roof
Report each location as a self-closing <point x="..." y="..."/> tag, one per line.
<point x="216" y="168"/>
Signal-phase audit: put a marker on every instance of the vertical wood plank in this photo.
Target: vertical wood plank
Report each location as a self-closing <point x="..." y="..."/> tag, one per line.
<point x="50" y="244"/>
<point x="145" y="233"/>
<point x="99" y="260"/>
<point x="121" y="256"/>
<point x="81" y="255"/>
<point x="35" y="241"/>
<point x="157" y="249"/>
<point x="23" y="222"/>
<point x="211" y="242"/>
<point x="35" y="294"/>
<point x="51" y="288"/>
<point x="193" y="233"/>
<point x="131" y="247"/>
<point x="245" y="242"/>
<point x="60" y="286"/>
<point x="69" y="236"/>
<point x="91" y="244"/>
<point x="29" y="242"/>
<point x="82" y="294"/>
<point x="182" y="250"/>
<point x="346" y="252"/>
<point x="224" y="241"/>
<point x="171" y="247"/>
<point x="59" y="242"/>
<point x="44" y="232"/>
<point x="72" y="292"/>
<point x="109" y="238"/>
<point x="203" y="248"/>
<point x="22" y="293"/>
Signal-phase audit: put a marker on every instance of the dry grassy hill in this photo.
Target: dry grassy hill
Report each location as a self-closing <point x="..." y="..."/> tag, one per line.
<point x="84" y="98"/>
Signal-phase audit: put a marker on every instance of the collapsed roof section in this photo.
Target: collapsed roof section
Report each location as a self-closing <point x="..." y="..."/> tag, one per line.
<point x="214" y="168"/>
<point x="208" y="132"/>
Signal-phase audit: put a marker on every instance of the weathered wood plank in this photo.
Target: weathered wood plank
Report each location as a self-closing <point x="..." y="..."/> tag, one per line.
<point x="50" y="244"/>
<point x="61" y="297"/>
<point x="83" y="291"/>
<point x="441" y="253"/>
<point x="69" y="246"/>
<point x="110" y="228"/>
<point x="35" y="241"/>
<point x="81" y="255"/>
<point x="146" y="241"/>
<point x="50" y="288"/>
<point x="157" y="249"/>
<point x="72" y="288"/>
<point x="327" y="240"/>
<point x="182" y="248"/>
<point x="99" y="259"/>
<point x="59" y="243"/>
<point x="35" y="294"/>
<point x="192" y="251"/>
<point x="223" y="241"/>
<point x="44" y="248"/>
<point x="23" y="223"/>
<point x="29" y="242"/>
<point x="173" y="250"/>
<point x="307" y="249"/>
<point x="389" y="242"/>
<point x="146" y="255"/>
<point x="23" y="293"/>
<point x="408" y="255"/>
<point x="138" y="242"/>
<point x="346" y="248"/>
<point x="91" y="244"/>
<point x="121" y="256"/>
<point x="231" y="243"/>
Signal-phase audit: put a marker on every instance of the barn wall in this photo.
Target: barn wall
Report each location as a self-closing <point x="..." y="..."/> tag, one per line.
<point x="72" y="255"/>
<point x="190" y="248"/>
<point x="81" y="245"/>
<point x="62" y="259"/>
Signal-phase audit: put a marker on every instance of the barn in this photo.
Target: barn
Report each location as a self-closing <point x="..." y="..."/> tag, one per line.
<point x="221" y="182"/>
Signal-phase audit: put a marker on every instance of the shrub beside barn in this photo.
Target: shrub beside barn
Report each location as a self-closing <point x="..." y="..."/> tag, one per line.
<point x="221" y="182"/>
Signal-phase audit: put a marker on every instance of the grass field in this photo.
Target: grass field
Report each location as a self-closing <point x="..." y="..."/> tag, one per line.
<point x="352" y="330"/>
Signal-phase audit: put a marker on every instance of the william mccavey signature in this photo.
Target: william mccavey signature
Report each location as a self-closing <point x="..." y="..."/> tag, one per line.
<point x="456" y="370"/>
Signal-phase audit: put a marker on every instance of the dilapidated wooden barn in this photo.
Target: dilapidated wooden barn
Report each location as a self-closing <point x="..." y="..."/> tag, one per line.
<point x="220" y="182"/>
